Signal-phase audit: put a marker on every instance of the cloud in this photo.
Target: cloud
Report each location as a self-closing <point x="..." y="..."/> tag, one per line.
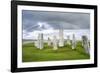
<point x="56" y="20"/>
<point x="51" y="33"/>
<point x="34" y="22"/>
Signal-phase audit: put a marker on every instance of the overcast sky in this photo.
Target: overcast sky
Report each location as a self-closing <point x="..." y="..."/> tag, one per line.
<point x="33" y="21"/>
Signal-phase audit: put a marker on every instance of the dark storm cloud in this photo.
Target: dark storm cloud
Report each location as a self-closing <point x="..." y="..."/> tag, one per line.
<point x="55" y="20"/>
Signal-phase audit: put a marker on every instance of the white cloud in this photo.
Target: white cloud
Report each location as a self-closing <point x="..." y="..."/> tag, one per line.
<point x="50" y="33"/>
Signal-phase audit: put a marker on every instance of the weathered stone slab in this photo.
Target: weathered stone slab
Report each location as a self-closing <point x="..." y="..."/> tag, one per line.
<point x="85" y="44"/>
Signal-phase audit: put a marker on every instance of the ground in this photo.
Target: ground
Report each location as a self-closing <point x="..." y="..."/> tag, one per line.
<point x="32" y="54"/>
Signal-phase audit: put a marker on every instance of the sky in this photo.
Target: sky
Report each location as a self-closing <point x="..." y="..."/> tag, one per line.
<point x="48" y="23"/>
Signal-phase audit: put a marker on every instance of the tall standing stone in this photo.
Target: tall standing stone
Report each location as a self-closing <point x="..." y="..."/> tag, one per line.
<point x="85" y="44"/>
<point x="40" y="41"/>
<point x="61" y="38"/>
<point x="55" y="43"/>
<point x="73" y="42"/>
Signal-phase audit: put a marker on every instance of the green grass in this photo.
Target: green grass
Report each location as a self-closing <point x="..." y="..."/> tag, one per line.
<point x="32" y="54"/>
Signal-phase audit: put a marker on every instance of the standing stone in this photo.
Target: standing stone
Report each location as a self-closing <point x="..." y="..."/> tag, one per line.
<point x="85" y="44"/>
<point x="89" y="43"/>
<point x="36" y="44"/>
<point x="73" y="42"/>
<point x="49" y="42"/>
<point x="61" y="38"/>
<point x="68" y="40"/>
<point x="55" y="43"/>
<point x="40" y="41"/>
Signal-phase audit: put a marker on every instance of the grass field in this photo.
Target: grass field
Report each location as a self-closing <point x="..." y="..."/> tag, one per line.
<point x="32" y="54"/>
